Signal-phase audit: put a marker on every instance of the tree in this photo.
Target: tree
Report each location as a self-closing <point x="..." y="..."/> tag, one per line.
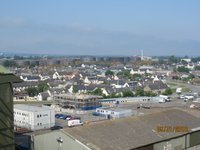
<point x="139" y="92"/>
<point x="135" y="77"/>
<point x="184" y="62"/>
<point x="75" y="90"/>
<point x="109" y="72"/>
<point x="97" y="91"/>
<point x="124" y="73"/>
<point x="32" y="91"/>
<point x="197" y="68"/>
<point x="173" y="59"/>
<point x="168" y="91"/>
<point x="191" y="76"/>
<point x="10" y="63"/>
<point x="150" y="94"/>
<point x="183" y="69"/>
<point x="42" y="87"/>
<point x="127" y="93"/>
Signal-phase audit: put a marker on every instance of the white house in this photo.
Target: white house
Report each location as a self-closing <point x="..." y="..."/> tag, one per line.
<point x="44" y="96"/>
<point x="56" y="75"/>
<point x="33" y="117"/>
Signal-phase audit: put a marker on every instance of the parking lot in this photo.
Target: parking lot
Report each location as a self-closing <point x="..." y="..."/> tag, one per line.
<point x="138" y="108"/>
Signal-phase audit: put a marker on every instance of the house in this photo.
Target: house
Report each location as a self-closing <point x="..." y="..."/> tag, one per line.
<point x="119" y="84"/>
<point x="30" y="78"/>
<point x="92" y="80"/>
<point x="20" y="95"/>
<point x="142" y="70"/>
<point x="44" y="96"/>
<point x="24" y="85"/>
<point x="157" y="87"/>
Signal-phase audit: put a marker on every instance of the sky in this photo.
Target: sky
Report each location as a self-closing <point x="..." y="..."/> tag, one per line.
<point x="103" y="27"/>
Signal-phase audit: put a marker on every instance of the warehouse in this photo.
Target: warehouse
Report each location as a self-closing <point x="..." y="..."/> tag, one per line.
<point x="137" y="133"/>
<point x="33" y="117"/>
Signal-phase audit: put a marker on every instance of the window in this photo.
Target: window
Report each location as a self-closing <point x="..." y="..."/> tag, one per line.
<point x="37" y="116"/>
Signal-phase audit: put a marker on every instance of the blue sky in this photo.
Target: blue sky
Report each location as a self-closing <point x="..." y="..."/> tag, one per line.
<point x="104" y="27"/>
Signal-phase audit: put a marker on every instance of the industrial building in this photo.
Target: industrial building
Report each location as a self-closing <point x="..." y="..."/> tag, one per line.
<point x="114" y="112"/>
<point x="137" y="133"/>
<point x="6" y="110"/>
<point x="83" y="102"/>
<point x="33" y="117"/>
<point x="142" y="99"/>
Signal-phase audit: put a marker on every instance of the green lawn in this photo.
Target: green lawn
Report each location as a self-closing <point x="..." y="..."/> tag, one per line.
<point x="3" y="70"/>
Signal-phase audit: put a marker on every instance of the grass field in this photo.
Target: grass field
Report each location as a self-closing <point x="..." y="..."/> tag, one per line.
<point x="3" y="70"/>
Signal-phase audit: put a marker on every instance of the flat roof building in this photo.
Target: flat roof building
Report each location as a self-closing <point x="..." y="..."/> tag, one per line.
<point x="33" y="117"/>
<point x="114" y="112"/>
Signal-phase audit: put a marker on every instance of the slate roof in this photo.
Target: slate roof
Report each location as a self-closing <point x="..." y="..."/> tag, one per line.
<point x="158" y="85"/>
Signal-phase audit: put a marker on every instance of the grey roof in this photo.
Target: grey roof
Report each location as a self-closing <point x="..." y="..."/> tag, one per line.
<point x="45" y="95"/>
<point x="132" y="132"/>
<point x="25" y="84"/>
<point x="157" y="85"/>
<point x="30" y="108"/>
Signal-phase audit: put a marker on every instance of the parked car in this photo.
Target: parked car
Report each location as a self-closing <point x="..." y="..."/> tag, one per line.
<point x="74" y="118"/>
<point x="56" y="127"/>
<point x="66" y="117"/>
<point x="57" y="115"/>
<point x="61" y="116"/>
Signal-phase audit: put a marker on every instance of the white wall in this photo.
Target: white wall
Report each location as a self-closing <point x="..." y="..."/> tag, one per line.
<point x="34" y="120"/>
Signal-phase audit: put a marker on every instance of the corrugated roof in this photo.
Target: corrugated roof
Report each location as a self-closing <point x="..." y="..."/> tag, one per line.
<point x="133" y="132"/>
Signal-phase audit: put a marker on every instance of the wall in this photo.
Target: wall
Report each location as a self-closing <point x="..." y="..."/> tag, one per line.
<point x="6" y="117"/>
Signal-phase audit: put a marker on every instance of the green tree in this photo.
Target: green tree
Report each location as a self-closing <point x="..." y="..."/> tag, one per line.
<point x="32" y="91"/>
<point x="75" y="90"/>
<point x="10" y="63"/>
<point x="173" y="59"/>
<point x="150" y="94"/>
<point x="183" y="69"/>
<point x="42" y="87"/>
<point x="124" y="73"/>
<point x="168" y="91"/>
<point x="135" y="77"/>
<point x="127" y="93"/>
<point x="197" y="68"/>
<point x="109" y="72"/>
<point x="97" y="91"/>
<point x="139" y="92"/>
<point x="191" y="76"/>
